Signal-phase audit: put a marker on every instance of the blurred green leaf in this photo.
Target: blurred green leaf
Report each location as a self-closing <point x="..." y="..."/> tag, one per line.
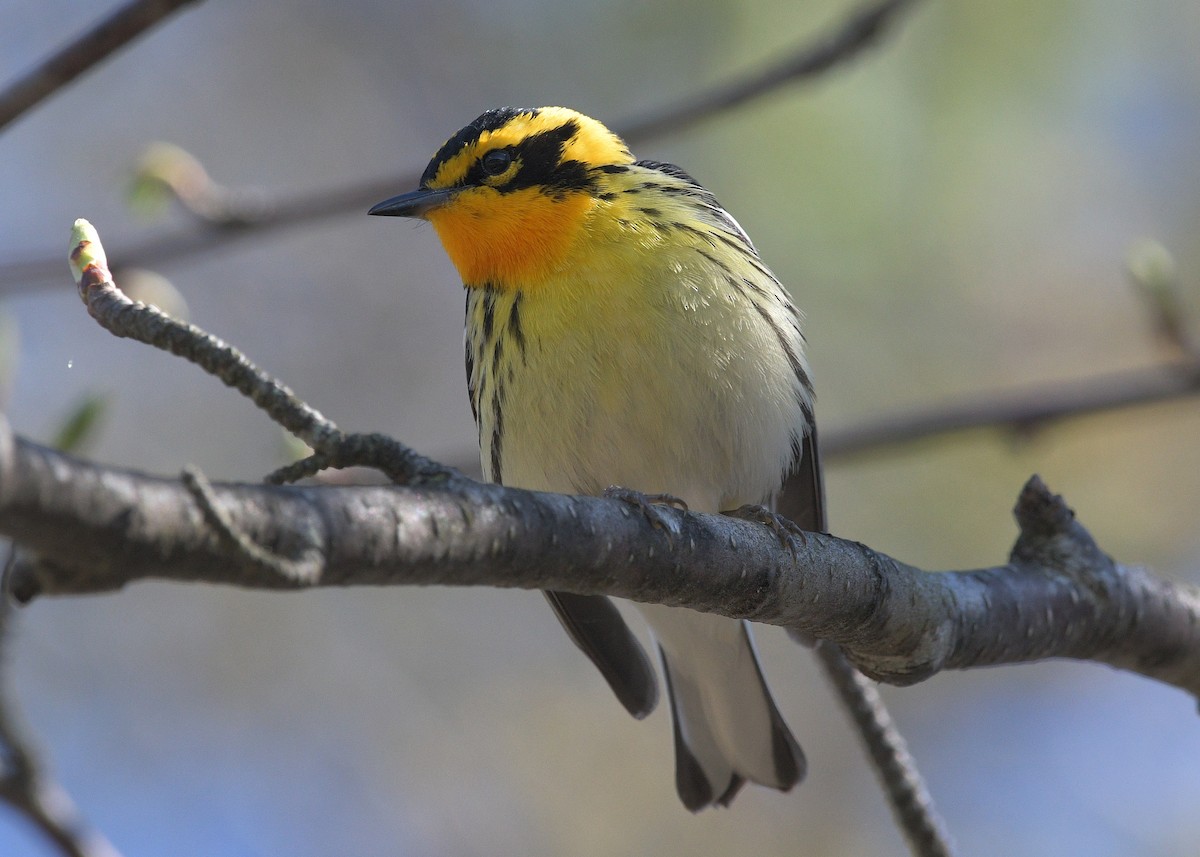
<point x="10" y="348"/>
<point x="82" y="424"/>
<point x="293" y="448"/>
<point x="1153" y="273"/>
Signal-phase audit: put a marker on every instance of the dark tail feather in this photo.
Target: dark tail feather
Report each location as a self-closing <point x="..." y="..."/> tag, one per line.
<point x="596" y="627"/>
<point x="691" y="782"/>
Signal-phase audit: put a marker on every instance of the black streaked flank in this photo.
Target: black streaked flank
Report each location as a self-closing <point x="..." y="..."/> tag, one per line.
<point x="497" y="433"/>
<point x="754" y="287"/>
<point x="480" y="401"/>
<point x="792" y="358"/>
<point x="736" y="243"/>
<point x="489" y="314"/>
<point x="709" y="256"/>
<point x="470" y="361"/>
<point x="691" y="187"/>
<point x="699" y="233"/>
<point x="514" y="325"/>
<point x="497" y="357"/>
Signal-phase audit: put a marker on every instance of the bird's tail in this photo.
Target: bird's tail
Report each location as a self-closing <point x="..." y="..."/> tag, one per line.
<point x="727" y="728"/>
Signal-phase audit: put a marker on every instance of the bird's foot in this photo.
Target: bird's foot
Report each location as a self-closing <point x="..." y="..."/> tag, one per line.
<point x="785" y="530"/>
<point x="646" y="503"/>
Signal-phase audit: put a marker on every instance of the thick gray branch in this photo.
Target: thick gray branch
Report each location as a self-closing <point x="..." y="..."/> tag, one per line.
<point x="97" y="528"/>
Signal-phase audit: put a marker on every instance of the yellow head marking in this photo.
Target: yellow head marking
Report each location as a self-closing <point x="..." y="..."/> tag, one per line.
<point x="524" y="182"/>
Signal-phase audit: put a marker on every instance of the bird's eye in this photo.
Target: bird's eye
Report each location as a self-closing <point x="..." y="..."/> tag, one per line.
<point x="496" y="161"/>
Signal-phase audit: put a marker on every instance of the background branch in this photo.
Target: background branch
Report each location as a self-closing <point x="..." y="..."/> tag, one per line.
<point x="1022" y="411"/>
<point x="808" y="60"/>
<point x="79" y="55"/>
<point x="861" y="30"/>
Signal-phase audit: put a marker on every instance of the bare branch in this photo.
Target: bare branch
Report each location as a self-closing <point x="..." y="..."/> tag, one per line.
<point x="859" y="32"/>
<point x="123" y="317"/>
<point x="24" y="784"/>
<point x="1023" y="410"/>
<point x="96" y="528"/>
<point x="912" y="805"/>
<point x="73" y="59"/>
<point x="913" y="808"/>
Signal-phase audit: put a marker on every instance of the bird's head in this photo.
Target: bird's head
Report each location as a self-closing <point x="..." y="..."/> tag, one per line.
<point x="509" y="194"/>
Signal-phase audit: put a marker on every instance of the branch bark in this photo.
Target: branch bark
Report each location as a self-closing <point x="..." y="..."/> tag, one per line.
<point x="76" y="57"/>
<point x="98" y="528"/>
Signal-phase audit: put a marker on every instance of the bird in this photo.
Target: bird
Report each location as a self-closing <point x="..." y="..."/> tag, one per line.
<point x="624" y="338"/>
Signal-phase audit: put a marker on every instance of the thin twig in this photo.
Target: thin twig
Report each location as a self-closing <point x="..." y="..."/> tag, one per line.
<point x="127" y="318"/>
<point x="305" y="569"/>
<point x="73" y="59"/>
<point x="24" y="784"/>
<point x="912" y="805"/>
<point x="860" y="31"/>
<point x="124" y="317"/>
<point x="863" y="29"/>
<point x="1023" y="410"/>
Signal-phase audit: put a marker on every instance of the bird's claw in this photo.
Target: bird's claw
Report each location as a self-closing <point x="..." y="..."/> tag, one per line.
<point x="785" y="530"/>
<point x="646" y="504"/>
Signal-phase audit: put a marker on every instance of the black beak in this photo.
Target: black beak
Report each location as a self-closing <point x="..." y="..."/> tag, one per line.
<point x="413" y="204"/>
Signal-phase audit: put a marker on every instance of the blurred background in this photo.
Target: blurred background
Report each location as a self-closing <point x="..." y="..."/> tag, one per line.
<point x="953" y="212"/>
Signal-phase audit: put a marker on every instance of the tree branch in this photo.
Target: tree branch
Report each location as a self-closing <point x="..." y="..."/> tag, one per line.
<point x="96" y="528"/>
<point x="906" y="793"/>
<point x="1023" y="410"/>
<point x="860" y="31"/>
<point x="76" y="57"/>
<point x="24" y="784"/>
<point x="912" y="805"/>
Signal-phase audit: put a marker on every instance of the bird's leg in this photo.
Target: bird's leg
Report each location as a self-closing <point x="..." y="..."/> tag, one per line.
<point x="645" y="503"/>
<point x="784" y="529"/>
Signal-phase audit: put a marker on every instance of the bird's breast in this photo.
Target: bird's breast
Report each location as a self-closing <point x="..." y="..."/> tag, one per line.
<point x="660" y="378"/>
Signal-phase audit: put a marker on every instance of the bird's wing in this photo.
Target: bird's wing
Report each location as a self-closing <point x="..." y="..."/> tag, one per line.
<point x="802" y="499"/>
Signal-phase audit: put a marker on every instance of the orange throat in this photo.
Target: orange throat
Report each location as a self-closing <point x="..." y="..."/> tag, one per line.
<point x="513" y="240"/>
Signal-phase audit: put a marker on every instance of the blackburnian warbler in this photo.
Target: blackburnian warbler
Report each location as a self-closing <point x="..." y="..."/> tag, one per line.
<point x="621" y="329"/>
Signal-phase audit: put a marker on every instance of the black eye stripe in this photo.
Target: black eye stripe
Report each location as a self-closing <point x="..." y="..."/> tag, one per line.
<point x="491" y="120"/>
<point x="538" y="160"/>
<point x="542" y="166"/>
